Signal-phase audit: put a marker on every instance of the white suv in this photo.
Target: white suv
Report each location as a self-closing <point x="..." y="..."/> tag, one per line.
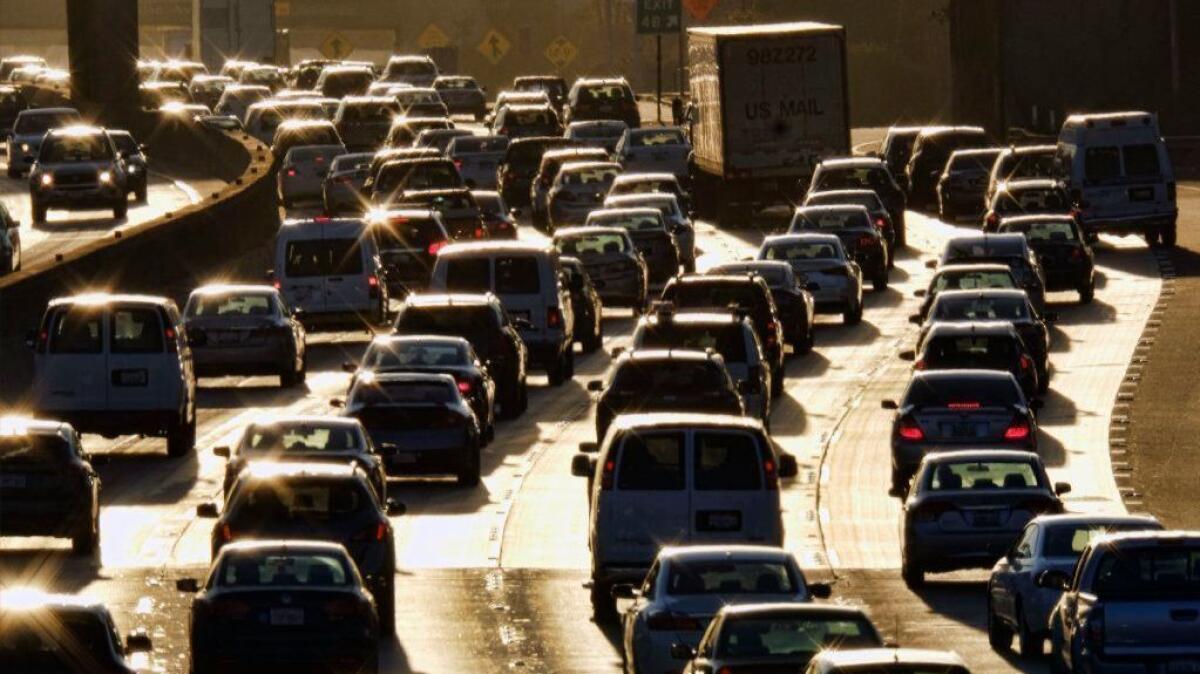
<point x="116" y="365"/>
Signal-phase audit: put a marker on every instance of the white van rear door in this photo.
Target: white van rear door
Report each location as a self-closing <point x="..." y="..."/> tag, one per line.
<point x="347" y="287"/>
<point x="517" y="281"/>
<point x="301" y="272"/>
<point x="73" y="372"/>
<point x="648" y="505"/>
<point x="141" y="373"/>
<point x="731" y="500"/>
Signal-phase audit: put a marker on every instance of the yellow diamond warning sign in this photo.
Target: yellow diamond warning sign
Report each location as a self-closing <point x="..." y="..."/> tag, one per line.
<point x="494" y="46"/>
<point x="432" y="37"/>
<point x="561" y="52"/>
<point x="336" y="46"/>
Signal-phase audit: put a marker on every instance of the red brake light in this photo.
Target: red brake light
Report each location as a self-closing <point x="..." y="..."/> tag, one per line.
<point x="291" y="173"/>
<point x="1026" y="363"/>
<point x="772" y="333"/>
<point x="480" y="232"/>
<point x="920" y="364"/>
<point x="172" y="343"/>
<point x="554" y="317"/>
<point x="864" y="241"/>
<point x="464" y="386"/>
<point x="910" y="430"/>
<point x="1076" y="254"/>
<point x="436" y="246"/>
<point x="606" y="478"/>
<point x="381" y="531"/>
<point x="771" y="473"/>
<point x="458" y="164"/>
<point x="226" y="533"/>
<point x="993" y="219"/>
<point x="373" y="286"/>
<point x="1017" y="430"/>
<point x="880" y="223"/>
<point x="964" y="405"/>
<point x="277" y="283"/>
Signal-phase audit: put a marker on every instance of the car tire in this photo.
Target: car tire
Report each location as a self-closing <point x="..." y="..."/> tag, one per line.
<point x="468" y="475"/>
<point x="604" y="607"/>
<point x="38" y="212"/>
<point x="510" y="403"/>
<point x="385" y="607"/>
<point x="121" y="208"/>
<point x="13" y="171"/>
<point x="557" y="372"/>
<point x="776" y="385"/>
<point x="523" y="397"/>
<point x="594" y="341"/>
<point x="879" y="282"/>
<point x="290" y="378"/>
<point x="569" y="370"/>
<point x="946" y="213"/>
<point x="1167" y="236"/>
<point x="141" y="194"/>
<point x="1000" y="635"/>
<point x="853" y="315"/>
<point x="1029" y="645"/>
<point x="1087" y="293"/>
<point x="912" y="573"/>
<point x="805" y="345"/>
<point x="86" y="542"/>
<point x="1151" y="236"/>
<point x="181" y="439"/>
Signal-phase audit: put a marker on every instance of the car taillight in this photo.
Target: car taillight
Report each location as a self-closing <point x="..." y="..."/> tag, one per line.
<point x="373" y="286"/>
<point x="963" y="405"/>
<point x="170" y="337"/>
<point x="909" y="429"/>
<point x="464" y="386"/>
<point x="919" y="365"/>
<point x="772" y="473"/>
<point x="342" y="180"/>
<point x="503" y="131"/>
<point x="480" y="232"/>
<point x="1018" y="430"/>
<point x="1075" y="255"/>
<point x="930" y="512"/>
<point x="291" y="173"/>
<point x="554" y="317"/>
<point x="772" y="333"/>
<point x="880" y="223"/>
<point x="1025" y="362"/>
<point x="375" y="533"/>
<point x="1093" y="627"/>
<point x="342" y="607"/>
<point x="606" y="477"/>
<point x="226" y="533"/>
<point x="43" y="338"/>
<point x="436" y="246"/>
<point x="993" y="219"/>
<point x="866" y="241"/>
<point x="666" y="620"/>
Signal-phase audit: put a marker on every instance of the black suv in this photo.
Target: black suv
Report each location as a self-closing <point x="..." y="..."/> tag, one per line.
<point x="930" y="153"/>
<point x="864" y="173"/>
<point x="482" y="321"/>
<point x="1062" y="250"/>
<point x="521" y="162"/>
<point x="47" y="485"/>
<point x="602" y="99"/>
<point x="667" y="380"/>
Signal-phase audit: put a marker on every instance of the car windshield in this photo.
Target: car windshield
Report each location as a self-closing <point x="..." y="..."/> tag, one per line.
<point x="831" y="220"/>
<point x="42" y="122"/>
<point x="656" y="138"/>
<point x="973" y="280"/>
<point x="399" y="355"/>
<point x="727" y="340"/>
<point x="658" y="377"/>
<point x="819" y="250"/>
<point x="402" y="393"/>
<point x="953" y="476"/>
<point x="69" y="148"/>
<point x="792" y="635"/>
<point x="1069" y="540"/>
<point x="528" y="117"/>
<point x="272" y="502"/>
<point x="255" y="570"/>
<point x="232" y="304"/>
<point x="1163" y="572"/>
<point x="306" y="437"/>
<point x="592" y="244"/>
<point x="963" y="392"/>
<point x="33" y="450"/>
<point x="967" y="351"/>
<point x="980" y="308"/>
<point x="742" y="576"/>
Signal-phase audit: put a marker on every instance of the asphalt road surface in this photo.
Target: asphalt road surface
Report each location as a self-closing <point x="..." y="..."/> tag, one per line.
<point x="489" y="579"/>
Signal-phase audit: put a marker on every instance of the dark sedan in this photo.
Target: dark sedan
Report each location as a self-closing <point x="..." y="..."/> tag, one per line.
<point x="585" y="304"/>
<point x="286" y="603"/>
<point x="1063" y="252"/>
<point x="460" y="214"/>
<point x="985" y="345"/>
<point x="964" y="277"/>
<point x="951" y="410"/>
<point x="792" y="300"/>
<point x="1008" y="249"/>
<point x="870" y="173"/>
<point x="864" y="243"/>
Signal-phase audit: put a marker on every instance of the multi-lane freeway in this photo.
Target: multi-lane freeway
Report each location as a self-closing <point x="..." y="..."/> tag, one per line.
<point x="490" y="579"/>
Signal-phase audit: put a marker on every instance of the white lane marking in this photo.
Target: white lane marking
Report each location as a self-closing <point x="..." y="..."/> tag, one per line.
<point x="188" y="191"/>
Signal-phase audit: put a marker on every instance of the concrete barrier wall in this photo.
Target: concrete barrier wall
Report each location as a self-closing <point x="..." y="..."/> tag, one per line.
<point x="167" y="256"/>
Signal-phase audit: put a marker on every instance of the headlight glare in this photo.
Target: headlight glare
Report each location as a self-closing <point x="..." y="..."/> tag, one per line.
<point x="106" y="177"/>
<point x="47" y="179"/>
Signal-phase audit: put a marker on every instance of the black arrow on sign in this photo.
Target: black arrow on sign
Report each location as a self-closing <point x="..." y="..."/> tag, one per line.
<point x="495" y="43"/>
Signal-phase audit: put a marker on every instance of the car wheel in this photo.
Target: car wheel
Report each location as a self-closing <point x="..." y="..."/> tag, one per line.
<point x="879" y="282"/>
<point x="1087" y="293"/>
<point x="468" y="474"/>
<point x="181" y="439"/>
<point x="38" y="212"/>
<point x="558" y="370"/>
<point x="1168" y="235"/>
<point x="805" y="345"/>
<point x="604" y="607"/>
<point x="912" y="573"/>
<point x="121" y="208"/>
<point x="385" y="606"/>
<point x="510" y="403"/>
<point x="13" y="171"/>
<point x="853" y="314"/>
<point x="85" y="542"/>
<point x="289" y="377"/>
<point x="569" y="370"/>
<point x="777" y="384"/>
<point x="1151" y="236"/>
<point x="523" y="397"/>
<point x="999" y="635"/>
<point x="1028" y="643"/>
<point x="141" y="194"/>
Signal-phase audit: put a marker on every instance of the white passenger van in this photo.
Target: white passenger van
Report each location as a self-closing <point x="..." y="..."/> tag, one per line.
<point x="528" y="279"/>
<point x="677" y="479"/>
<point x="328" y="269"/>
<point x="116" y="365"/>
<point x="1116" y="168"/>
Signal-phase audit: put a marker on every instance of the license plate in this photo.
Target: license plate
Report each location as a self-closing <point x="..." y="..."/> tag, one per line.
<point x="12" y="481"/>
<point x="1184" y="667"/>
<point x="130" y="377"/>
<point x="964" y="430"/>
<point x="287" y="617"/>
<point x="719" y="520"/>
<point x="228" y="338"/>
<point x="986" y="519"/>
<point x="1141" y="194"/>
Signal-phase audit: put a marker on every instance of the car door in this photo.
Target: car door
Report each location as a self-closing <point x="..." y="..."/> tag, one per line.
<point x="1009" y="574"/>
<point x="648" y="505"/>
<point x="731" y="501"/>
<point x="517" y="281"/>
<point x="72" y="371"/>
<point x="139" y="377"/>
<point x="302" y="263"/>
<point x="346" y="285"/>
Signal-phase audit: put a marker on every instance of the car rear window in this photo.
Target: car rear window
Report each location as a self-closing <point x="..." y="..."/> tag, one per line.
<point x="715" y="295"/>
<point x="727" y="462"/>
<point x="592" y="244"/>
<point x="270" y="501"/>
<point x="301" y="438"/>
<point x="1033" y="200"/>
<point x="517" y="275"/>
<point x="323" y="257"/>
<point x="972" y="162"/>
<point x="867" y="200"/>
<point x="831" y="220"/>
<point x="1069" y="540"/>
<point x="952" y="476"/>
<point x="644" y="187"/>
<point x="656" y="138"/>
<point x="666" y="377"/>
<point x="274" y="570"/>
<point x="474" y="323"/>
<point x="77" y="330"/>
<point x="981" y="308"/>
<point x="591" y="176"/>
<point x="1101" y="163"/>
<point x="472" y="144"/>
<point x="439" y="202"/>
<point x="403" y="393"/>
<point x="852" y="178"/>
<point x="1052" y="231"/>
<point x="239" y="304"/>
<point x="1141" y="160"/>
<point x="740" y="576"/>
<point x="413" y="354"/>
<point x="1029" y="165"/>
<point x="651" y="462"/>
<point x="975" y="351"/>
<point x="370" y="112"/>
<point x="1163" y="572"/>
<point x="973" y="280"/>
<point x="421" y="176"/>
<point x="135" y="330"/>
<point x="964" y="391"/>
<point x="527" y="117"/>
<point x="727" y="340"/>
<point x="792" y="636"/>
<point x="33" y="450"/>
<point x="801" y="251"/>
<point x="633" y="223"/>
<point x="603" y="93"/>
<point x="404" y="233"/>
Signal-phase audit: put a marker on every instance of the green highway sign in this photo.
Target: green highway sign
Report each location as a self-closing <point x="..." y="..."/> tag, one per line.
<point x="658" y="16"/>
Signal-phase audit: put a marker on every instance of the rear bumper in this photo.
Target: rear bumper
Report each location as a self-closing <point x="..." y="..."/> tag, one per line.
<point x="947" y="551"/>
<point x="119" y="422"/>
<point x="45" y="518"/>
<point x="544" y="351"/>
<point x="1129" y="224"/>
<point x="1067" y="279"/>
<point x="1095" y="663"/>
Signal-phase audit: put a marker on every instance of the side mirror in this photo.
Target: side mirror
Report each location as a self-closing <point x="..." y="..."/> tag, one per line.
<point x="682" y="652"/>
<point x="395" y="508"/>
<point x="820" y="590"/>
<point x="595" y="386"/>
<point x="189" y="585"/>
<point x="919" y="292"/>
<point x="207" y="510"/>
<point x="787" y="466"/>
<point x="888" y="404"/>
<point x="337" y="402"/>
<point x="589" y="447"/>
<point x="349" y="367"/>
<point x="908" y="355"/>
<point x="221" y="451"/>
<point x="931" y="264"/>
<point x="915" y="319"/>
<point x="581" y="465"/>
<point x="138" y="642"/>
<point x="1061" y="488"/>
<point x="624" y="591"/>
<point x="1051" y="580"/>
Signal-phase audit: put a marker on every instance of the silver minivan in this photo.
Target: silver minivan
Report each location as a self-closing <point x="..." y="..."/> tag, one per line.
<point x="116" y="364"/>
<point x="330" y="270"/>
<point x="676" y="479"/>
<point x="528" y="279"/>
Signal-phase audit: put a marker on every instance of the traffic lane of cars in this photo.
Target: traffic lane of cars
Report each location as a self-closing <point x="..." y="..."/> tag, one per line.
<point x="72" y="229"/>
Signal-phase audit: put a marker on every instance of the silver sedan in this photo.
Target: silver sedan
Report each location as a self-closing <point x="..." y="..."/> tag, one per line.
<point x="245" y="330"/>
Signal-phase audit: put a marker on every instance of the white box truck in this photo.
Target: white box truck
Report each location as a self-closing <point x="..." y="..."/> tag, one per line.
<point x="769" y="102"/>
